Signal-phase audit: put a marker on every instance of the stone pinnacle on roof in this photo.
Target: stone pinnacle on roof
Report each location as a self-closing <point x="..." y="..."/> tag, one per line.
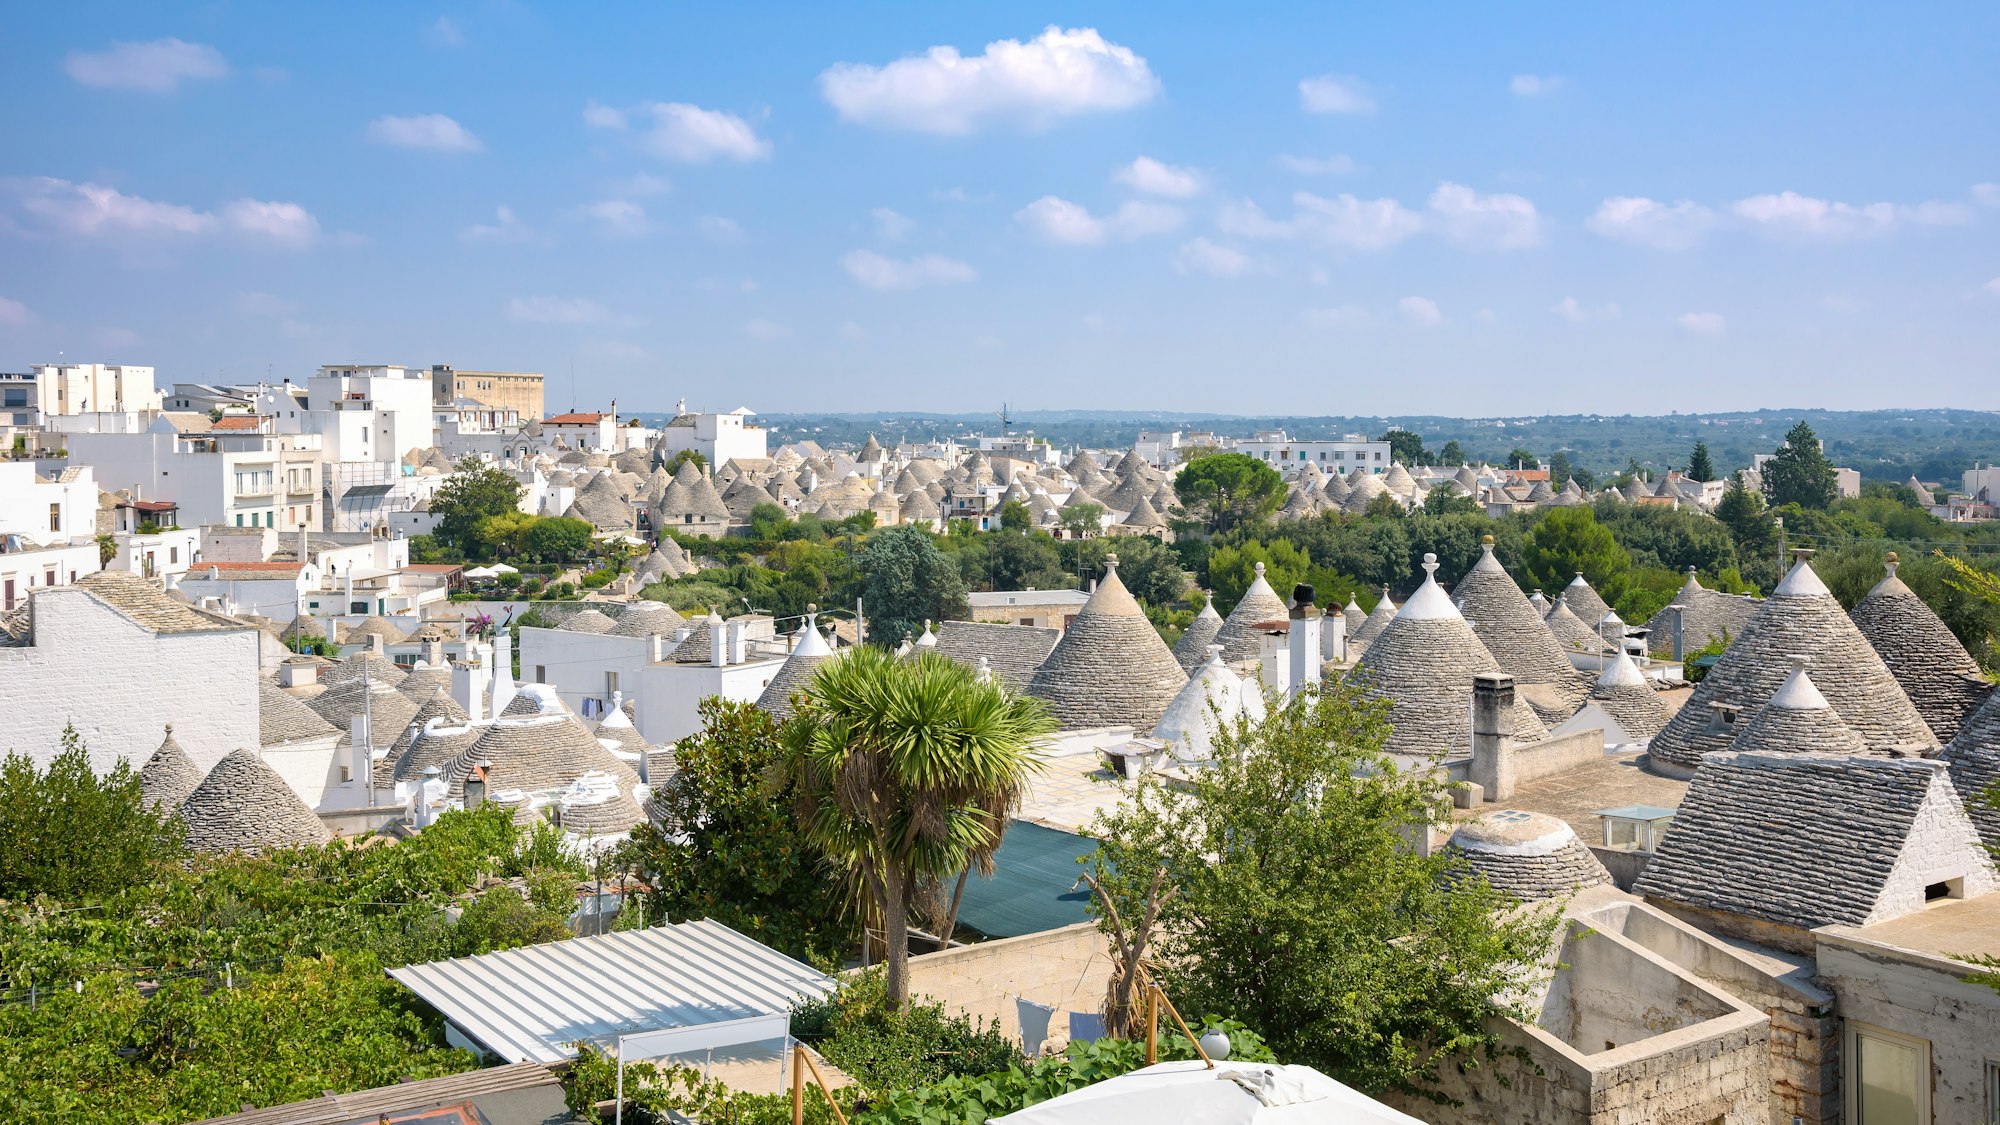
<point x="1192" y="649"/>
<point x="1800" y="618"/>
<point x="1111" y="667"/>
<point x="1238" y="635"/>
<point x="1354" y="616"/>
<point x="168" y="776"/>
<point x="1935" y="671"/>
<point x="1423" y="665"/>
<point x="244" y="806"/>
<point x="1623" y="693"/>
<point x="1584" y="602"/>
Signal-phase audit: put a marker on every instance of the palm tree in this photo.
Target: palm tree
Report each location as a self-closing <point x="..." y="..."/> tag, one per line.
<point x="906" y="771"/>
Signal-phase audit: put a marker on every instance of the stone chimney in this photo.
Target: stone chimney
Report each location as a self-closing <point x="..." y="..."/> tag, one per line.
<point x="1492" y="750"/>
<point x="1303" y="637"/>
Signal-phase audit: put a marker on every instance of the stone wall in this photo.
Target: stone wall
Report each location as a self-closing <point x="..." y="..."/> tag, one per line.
<point x="1068" y="969"/>
<point x="120" y="684"/>
<point x="1924" y="997"/>
<point x="1555" y="755"/>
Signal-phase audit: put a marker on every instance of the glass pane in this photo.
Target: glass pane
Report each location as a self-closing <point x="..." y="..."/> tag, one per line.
<point x="1888" y="1079"/>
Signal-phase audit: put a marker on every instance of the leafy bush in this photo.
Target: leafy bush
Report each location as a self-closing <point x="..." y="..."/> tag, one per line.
<point x="71" y="835"/>
<point x="889" y="1050"/>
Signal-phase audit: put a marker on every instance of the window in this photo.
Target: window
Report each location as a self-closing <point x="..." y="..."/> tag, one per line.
<point x="174" y="558"/>
<point x="610" y="683"/>
<point x="1945" y="889"/>
<point x="541" y="673"/>
<point x="55" y="517"/>
<point x="1888" y="1077"/>
<point x="1992" y="1092"/>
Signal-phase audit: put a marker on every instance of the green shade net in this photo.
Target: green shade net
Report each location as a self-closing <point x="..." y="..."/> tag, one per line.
<point x="1031" y="889"/>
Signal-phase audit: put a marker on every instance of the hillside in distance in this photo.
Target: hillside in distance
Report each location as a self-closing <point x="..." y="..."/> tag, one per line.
<point x="1935" y="445"/>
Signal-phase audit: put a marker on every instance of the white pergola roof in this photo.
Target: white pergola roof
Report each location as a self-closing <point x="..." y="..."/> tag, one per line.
<point x="533" y="1004"/>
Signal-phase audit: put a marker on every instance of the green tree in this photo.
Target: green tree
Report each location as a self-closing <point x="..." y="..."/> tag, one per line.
<point x="1226" y="490"/>
<point x="1560" y="470"/>
<point x="768" y="522"/>
<point x="674" y="463"/>
<point x="1453" y="454"/>
<point x="907" y="581"/>
<point x="1700" y="466"/>
<point x="906" y="773"/>
<point x="1232" y="569"/>
<point x="1407" y="447"/>
<point x="721" y="846"/>
<point x="502" y="536"/>
<point x="468" y="496"/>
<point x="1150" y="569"/>
<point x="1014" y="516"/>
<point x="1298" y="905"/>
<point x="559" y="539"/>
<point x="1518" y="458"/>
<point x="1081" y="518"/>
<point x="1799" y="472"/>
<point x="67" y="833"/>
<point x="1570" y="541"/>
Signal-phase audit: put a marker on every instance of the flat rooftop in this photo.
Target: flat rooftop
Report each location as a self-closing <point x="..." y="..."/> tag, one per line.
<point x="1955" y="928"/>
<point x="1576" y="795"/>
<point x="1000" y="599"/>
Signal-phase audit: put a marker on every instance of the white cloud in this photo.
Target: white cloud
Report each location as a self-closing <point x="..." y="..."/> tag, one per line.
<point x="93" y="210"/>
<point x="1344" y="221"/>
<point x="716" y="228"/>
<point x="685" y="133"/>
<point x="285" y="223"/>
<point x="1335" y="93"/>
<point x="1337" y="316"/>
<point x="1986" y="195"/>
<point x="432" y="131"/>
<point x="1535" y="85"/>
<point x="1992" y="287"/>
<point x="851" y="332"/>
<point x="111" y="336"/>
<point x="556" y="310"/>
<point x="1059" y="220"/>
<point x="445" y="33"/>
<point x="1059" y="73"/>
<point x="504" y="229"/>
<point x="1486" y="316"/>
<point x="14" y="314"/>
<point x="1339" y="164"/>
<point x="620" y="217"/>
<point x="879" y="272"/>
<point x="1485" y="222"/>
<point x="1212" y="258"/>
<point x="761" y="329"/>
<point x="1702" y="323"/>
<point x="1793" y="215"/>
<point x="1420" y="310"/>
<point x="1574" y="311"/>
<point x="892" y="224"/>
<point x="1154" y="178"/>
<point x="156" y="67"/>
<point x="1648" y="222"/>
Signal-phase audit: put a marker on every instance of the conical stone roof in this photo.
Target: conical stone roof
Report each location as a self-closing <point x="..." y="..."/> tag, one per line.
<point x="647" y="619"/>
<point x="1508" y="626"/>
<point x="388" y="709"/>
<point x="588" y="621"/>
<point x="1571" y="634"/>
<point x="1584" y="602"/>
<point x="1974" y="761"/>
<point x="282" y="718"/>
<point x="1191" y="651"/>
<point x="1798" y="720"/>
<point x="535" y="754"/>
<point x="1531" y="856"/>
<point x="1212" y="700"/>
<point x="439" y="706"/>
<point x="244" y="806"/>
<point x="423" y="679"/>
<point x="1238" y="635"/>
<point x="1355" y="617"/>
<point x="1423" y="665"/>
<point x="168" y="776"/>
<point x="1110" y="668"/>
<point x="1377" y="620"/>
<point x="1706" y="616"/>
<point x="1935" y="671"/>
<point x="1623" y="693"/>
<point x="437" y="743"/>
<point x="805" y="658"/>
<point x="359" y="665"/>
<point x="1802" y="619"/>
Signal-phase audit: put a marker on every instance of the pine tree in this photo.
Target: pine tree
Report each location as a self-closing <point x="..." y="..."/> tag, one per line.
<point x="1700" y="467"/>
<point x="1799" y="473"/>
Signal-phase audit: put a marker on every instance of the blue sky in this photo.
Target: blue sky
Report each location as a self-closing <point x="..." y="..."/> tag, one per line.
<point x="1305" y="209"/>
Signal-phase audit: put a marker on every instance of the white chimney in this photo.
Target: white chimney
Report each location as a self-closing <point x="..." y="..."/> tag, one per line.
<point x="739" y="642"/>
<point x="503" y="672"/>
<point x="718" y="640"/>
<point x="1303" y="637"/>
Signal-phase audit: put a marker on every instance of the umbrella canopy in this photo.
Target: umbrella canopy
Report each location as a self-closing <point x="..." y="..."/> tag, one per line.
<point x="482" y="572"/>
<point x="1190" y="1094"/>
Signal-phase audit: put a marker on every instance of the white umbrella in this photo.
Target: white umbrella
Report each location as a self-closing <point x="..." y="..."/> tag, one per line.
<point x="482" y="572"/>
<point x="503" y="568"/>
<point x="1187" y="1093"/>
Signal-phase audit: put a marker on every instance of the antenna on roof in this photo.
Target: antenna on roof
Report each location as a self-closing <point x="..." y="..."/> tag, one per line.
<point x="1006" y="423"/>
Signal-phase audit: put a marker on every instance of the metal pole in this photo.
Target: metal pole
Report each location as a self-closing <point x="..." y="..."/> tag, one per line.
<point x="860" y="630"/>
<point x="618" y="1111"/>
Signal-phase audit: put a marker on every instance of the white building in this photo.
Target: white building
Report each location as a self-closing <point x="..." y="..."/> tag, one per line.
<point x="48" y="529"/>
<point x="84" y="388"/>
<point x="1289" y="455"/>
<point x="201" y="398"/>
<point x="277" y="590"/>
<point x="238" y="477"/>
<point x="155" y="554"/>
<point x="719" y="438"/>
<point x="118" y="659"/>
<point x="367" y="412"/>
